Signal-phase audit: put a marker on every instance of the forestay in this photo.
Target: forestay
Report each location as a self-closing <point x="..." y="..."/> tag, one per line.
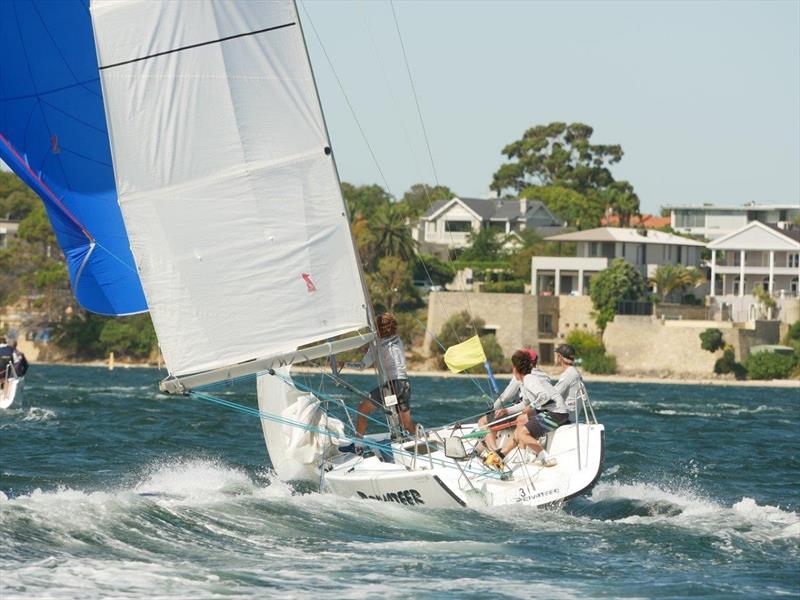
<point x="225" y="179"/>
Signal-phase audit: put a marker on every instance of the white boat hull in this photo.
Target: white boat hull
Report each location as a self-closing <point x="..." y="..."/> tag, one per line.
<point x="11" y="395"/>
<point x="436" y="481"/>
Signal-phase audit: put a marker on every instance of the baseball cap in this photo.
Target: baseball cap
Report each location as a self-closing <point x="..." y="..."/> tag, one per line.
<point x="566" y="351"/>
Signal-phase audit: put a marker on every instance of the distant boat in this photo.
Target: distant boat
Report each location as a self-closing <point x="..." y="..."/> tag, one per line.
<point x="12" y="392"/>
<point x="233" y="210"/>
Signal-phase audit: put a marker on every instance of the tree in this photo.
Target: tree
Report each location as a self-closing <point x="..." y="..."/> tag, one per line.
<point x="363" y="201"/>
<point x="430" y="269"/>
<point x="574" y="208"/>
<point x="391" y="286"/>
<point x="420" y="196"/>
<point x="557" y="154"/>
<point x="619" y="281"/>
<point x="622" y="200"/>
<point x="485" y="245"/>
<point x="392" y="234"/>
<point x="766" y="302"/>
<point x="16" y="199"/>
<point x="668" y="277"/>
<point x="711" y="339"/>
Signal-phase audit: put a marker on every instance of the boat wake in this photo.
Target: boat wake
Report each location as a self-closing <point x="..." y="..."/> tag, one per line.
<point x="647" y="504"/>
<point x="172" y="521"/>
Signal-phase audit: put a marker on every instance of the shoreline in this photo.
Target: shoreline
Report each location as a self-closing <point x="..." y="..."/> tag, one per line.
<point x="552" y="372"/>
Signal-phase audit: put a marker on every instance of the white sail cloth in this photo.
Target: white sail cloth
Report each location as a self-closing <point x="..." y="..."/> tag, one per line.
<point x="305" y="445"/>
<point x="225" y="180"/>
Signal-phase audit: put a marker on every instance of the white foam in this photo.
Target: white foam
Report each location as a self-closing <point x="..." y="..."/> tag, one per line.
<point x="745" y="518"/>
<point x="194" y="481"/>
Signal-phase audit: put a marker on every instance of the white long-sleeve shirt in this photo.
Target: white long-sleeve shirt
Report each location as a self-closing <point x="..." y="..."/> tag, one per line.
<point x="535" y="390"/>
<point x="568" y="386"/>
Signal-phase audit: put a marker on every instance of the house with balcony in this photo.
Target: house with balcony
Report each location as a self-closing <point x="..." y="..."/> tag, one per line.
<point x="713" y="222"/>
<point x="596" y="248"/>
<point x="757" y="254"/>
<point x="447" y="223"/>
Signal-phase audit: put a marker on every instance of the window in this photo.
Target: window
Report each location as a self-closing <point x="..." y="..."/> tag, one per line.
<point x="603" y="249"/>
<point x="690" y="218"/>
<point x="496" y="226"/>
<point x="545" y="324"/>
<point x="794" y="287"/>
<point x="793" y="260"/>
<point x="458" y="226"/>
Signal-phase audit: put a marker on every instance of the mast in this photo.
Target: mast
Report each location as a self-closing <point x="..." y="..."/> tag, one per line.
<point x="393" y="418"/>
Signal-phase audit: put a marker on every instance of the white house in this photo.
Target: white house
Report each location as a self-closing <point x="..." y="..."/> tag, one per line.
<point x="756" y="254"/>
<point x="596" y="248"/>
<point x="713" y="222"/>
<point x="448" y="223"/>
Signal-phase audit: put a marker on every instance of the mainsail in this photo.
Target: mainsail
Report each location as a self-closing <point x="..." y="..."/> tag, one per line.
<point x="53" y="135"/>
<point x="226" y="180"/>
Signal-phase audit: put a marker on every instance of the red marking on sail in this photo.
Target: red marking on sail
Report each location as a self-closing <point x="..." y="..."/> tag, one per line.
<point x="54" y="144"/>
<point x="309" y="284"/>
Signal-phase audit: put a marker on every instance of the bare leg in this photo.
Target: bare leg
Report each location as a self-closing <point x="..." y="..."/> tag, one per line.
<point x="489" y="440"/>
<point x="405" y="419"/>
<point x="521" y="421"/>
<point x="364" y="409"/>
<point x="525" y="439"/>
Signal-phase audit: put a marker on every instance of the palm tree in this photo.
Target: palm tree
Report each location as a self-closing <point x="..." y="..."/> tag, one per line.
<point x="668" y="278"/>
<point x="393" y="235"/>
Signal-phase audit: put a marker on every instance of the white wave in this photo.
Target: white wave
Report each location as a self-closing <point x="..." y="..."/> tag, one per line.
<point x="745" y="518"/>
<point x="33" y="414"/>
<point x="194" y="481"/>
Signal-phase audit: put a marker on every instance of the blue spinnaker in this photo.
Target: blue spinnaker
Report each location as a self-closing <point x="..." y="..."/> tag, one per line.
<point x="53" y="135"/>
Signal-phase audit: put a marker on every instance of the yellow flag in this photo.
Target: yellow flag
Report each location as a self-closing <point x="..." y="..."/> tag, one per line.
<point x="465" y="355"/>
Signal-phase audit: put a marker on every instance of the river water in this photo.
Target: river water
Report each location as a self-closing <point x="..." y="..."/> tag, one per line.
<point x="110" y="489"/>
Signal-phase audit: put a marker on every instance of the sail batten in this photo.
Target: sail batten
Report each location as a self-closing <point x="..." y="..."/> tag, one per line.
<point x="225" y="180"/>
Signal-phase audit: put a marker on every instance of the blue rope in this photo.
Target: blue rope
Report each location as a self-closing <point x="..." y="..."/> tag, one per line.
<point x="284" y="421"/>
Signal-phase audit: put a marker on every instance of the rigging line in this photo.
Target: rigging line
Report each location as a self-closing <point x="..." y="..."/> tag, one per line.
<point x="438" y="341"/>
<point x="288" y="381"/>
<point x="414" y="89"/>
<point x="388" y="85"/>
<point x="346" y="98"/>
<point x="198" y="45"/>
<point x="430" y="155"/>
<point x="291" y="423"/>
<point x="327" y="397"/>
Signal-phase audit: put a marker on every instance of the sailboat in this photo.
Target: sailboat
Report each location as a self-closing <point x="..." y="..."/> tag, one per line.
<point x="12" y="390"/>
<point x="226" y="190"/>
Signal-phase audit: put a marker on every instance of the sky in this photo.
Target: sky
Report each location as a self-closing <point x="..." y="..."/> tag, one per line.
<point x="704" y="97"/>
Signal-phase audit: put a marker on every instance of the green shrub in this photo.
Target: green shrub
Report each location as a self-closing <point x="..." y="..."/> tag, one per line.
<point x="793" y="334"/>
<point x="599" y="363"/>
<point x="585" y="343"/>
<point x="769" y="365"/>
<point x="504" y="287"/>
<point x="711" y="340"/>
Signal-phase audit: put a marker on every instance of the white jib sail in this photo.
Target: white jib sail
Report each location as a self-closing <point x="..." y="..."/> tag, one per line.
<point x="225" y="180"/>
<point x="295" y="452"/>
